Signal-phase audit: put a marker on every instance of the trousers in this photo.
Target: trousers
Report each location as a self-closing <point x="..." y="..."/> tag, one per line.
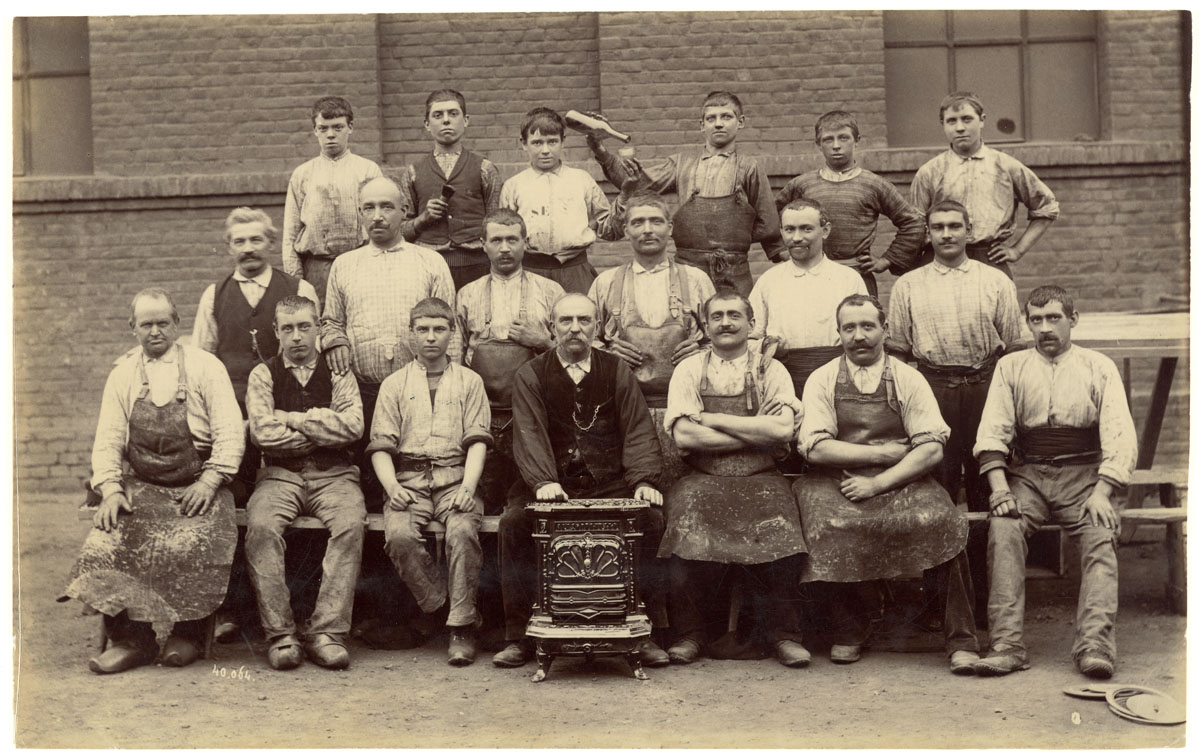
<point x="694" y="582"/>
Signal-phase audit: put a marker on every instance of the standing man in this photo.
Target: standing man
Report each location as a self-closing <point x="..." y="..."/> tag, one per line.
<point x="305" y="418"/>
<point x="505" y="322"/>
<point x="1055" y="441"/>
<point x="873" y="434"/>
<point x="163" y="536"/>
<point x="954" y="318"/>
<point x="585" y="433"/>
<point x="450" y="191"/>
<point x="726" y="196"/>
<point x="320" y="219"/>
<point x="371" y="292"/>
<point x="854" y="198"/>
<point x="988" y="183"/>
<point x="730" y="409"/>
<point x="795" y="301"/>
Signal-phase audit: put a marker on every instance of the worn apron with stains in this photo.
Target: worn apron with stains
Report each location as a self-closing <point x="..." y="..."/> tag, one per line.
<point x="901" y="532"/>
<point x="714" y="234"/>
<point x="738" y="509"/>
<point x="157" y="564"/>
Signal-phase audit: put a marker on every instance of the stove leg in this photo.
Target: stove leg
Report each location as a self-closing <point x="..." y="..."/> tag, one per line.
<point x="635" y="663"/>
<point x="543" y="661"/>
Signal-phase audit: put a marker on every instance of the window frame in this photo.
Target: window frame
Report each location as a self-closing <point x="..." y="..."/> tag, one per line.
<point x="21" y="77"/>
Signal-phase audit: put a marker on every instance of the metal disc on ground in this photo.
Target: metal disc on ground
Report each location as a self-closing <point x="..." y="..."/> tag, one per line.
<point x="1145" y="705"/>
<point x="1095" y="691"/>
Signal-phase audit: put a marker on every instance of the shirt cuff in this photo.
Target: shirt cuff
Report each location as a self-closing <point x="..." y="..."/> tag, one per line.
<point x="110" y="487"/>
<point x="383" y="445"/>
<point x="807" y="445"/>
<point x="212" y="478"/>
<point x="991" y="460"/>
<point x="476" y="437"/>
<point x="1114" y="481"/>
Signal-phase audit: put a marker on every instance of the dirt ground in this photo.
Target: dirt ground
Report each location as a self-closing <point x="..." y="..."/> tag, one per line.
<point x="414" y="699"/>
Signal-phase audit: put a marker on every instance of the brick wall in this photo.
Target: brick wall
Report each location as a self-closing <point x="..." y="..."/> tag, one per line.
<point x="1146" y="73"/>
<point x="225" y="94"/>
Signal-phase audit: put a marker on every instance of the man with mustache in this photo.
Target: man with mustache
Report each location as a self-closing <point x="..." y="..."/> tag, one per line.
<point x="872" y="434"/>
<point x="451" y="225"/>
<point x="794" y="301"/>
<point x="954" y="318"/>
<point x="505" y="322"/>
<point x="1055" y="441"/>
<point x="584" y="433"/>
<point x="730" y="409"/>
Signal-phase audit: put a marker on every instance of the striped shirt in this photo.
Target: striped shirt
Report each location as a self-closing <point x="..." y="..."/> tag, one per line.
<point x="320" y="214"/>
<point x="854" y="205"/>
<point x="953" y="316"/>
<point x="505" y="306"/>
<point x="1077" y="389"/>
<point x="989" y="184"/>
<point x="800" y="306"/>
<point x="407" y="423"/>
<point x="277" y="431"/>
<point x="367" y="303"/>
<point x="564" y="210"/>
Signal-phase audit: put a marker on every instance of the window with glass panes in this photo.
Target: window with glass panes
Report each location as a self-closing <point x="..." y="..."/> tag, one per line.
<point x="52" y="97"/>
<point x="1034" y="70"/>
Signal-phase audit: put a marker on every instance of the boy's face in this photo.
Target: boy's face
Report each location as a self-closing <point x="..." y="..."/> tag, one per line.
<point x="429" y="338"/>
<point x="333" y="135"/>
<point x="948" y="233"/>
<point x="720" y="125"/>
<point x="544" y="151"/>
<point x="505" y="247"/>
<point x="648" y="229"/>
<point x="447" y="122"/>
<point x="249" y="245"/>
<point x="837" y="145"/>
<point x="297" y="333"/>
<point x="964" y="128"/>
<point x="803" y="233"/>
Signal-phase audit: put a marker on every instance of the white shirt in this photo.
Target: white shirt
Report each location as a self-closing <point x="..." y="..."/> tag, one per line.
<point x="800" y="306"/>
<point x="577" y="370"/>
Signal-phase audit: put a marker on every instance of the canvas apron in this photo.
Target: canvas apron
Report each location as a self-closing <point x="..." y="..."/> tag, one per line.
<point x="900" y="532"/>
<point x="738" y="507"/>
<point x="714" y="234"/>
<point x="157" y="564"/>
<point x="497" y="360"/>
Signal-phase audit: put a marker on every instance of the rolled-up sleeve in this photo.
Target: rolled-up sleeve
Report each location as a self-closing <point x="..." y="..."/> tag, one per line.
<point x="820" y="416"/>
<point x="998" y="423"/>
<point x="387" y="426"/>
<point x="918" y="407"/>
<point x="1033" y="192"/>
<point x="477" y="412"/>
<point x="683" y="393"/>
<point x="777" y="386"/>
<point x="1118" y="437"/>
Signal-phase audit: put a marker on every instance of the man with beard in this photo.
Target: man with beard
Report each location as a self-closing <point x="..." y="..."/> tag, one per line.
<point x="585" y="433"/>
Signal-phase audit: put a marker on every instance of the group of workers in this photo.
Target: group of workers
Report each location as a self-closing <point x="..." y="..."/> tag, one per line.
<point x="464" y="357"/>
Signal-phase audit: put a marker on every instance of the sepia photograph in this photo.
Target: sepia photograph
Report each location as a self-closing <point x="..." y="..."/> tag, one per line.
<point x="558" y="377"/>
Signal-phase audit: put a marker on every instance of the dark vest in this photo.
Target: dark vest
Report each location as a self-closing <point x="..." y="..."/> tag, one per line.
<point x="466" y="206"/>
<point x="571" y="409"/>
<point x="236" y="318"/>
<point x="290" y="396"/>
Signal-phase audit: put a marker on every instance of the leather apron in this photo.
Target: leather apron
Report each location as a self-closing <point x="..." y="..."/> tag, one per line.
<point x="714" y="234"/>
<point x="156" y="564"/>
<point x="900" y="532"/>
<point x="737" y="508"/>
<point x="656" y="343"/>
<point x="497" y="360"/>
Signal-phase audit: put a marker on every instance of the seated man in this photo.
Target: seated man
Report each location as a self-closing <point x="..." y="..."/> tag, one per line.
<point x="585" y="433"/>
<point x="305" y="419"/>
<point x="1060" y="412"/>
<point x="429" y="439"/>
<point x="164" y="535"/>
<point x="871" y="508"/>
<point x="729" y="409"/>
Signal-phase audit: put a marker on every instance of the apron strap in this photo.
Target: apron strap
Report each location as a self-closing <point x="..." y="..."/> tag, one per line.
<point x="181" y="391"/>
<point x="181" y="387"/>
<point x="523" y="306"/>
<point x="676" y="300"/>
<point x="616" y="290"/>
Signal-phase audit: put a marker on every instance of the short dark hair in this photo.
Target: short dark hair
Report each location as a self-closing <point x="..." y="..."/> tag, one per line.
<point x="954" y="99"/>
<point x="431" y="307"/>
<point x="946" y="206"/>
<point x="153" y="292"/>
<point x="250" y="215"/>
<point x="802" y="202"/>
<point x="648" y="199"/>
<point x="444" y="95"/>
<point x="545" y="121"/>
<point x="1044" y="295"/>
<point x="294" y="303"/>
<point x="857" y="300"/>
<point x="836" y="119"/>
<point x="721" y="97"/>
<point x="727" y="292"/>
<point x="332" y="107"/>
<point x="504" y="217"/>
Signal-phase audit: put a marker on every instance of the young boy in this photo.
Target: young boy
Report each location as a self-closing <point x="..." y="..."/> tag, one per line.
<point x="988" y="183"/>
<point x="854" y="198"/>
<point x="563" y="208"/>
<point x="320" y="215"/>
<point x="450" y="226"/>
<point x="725" y="196"/>
<point x="429" y="438"/>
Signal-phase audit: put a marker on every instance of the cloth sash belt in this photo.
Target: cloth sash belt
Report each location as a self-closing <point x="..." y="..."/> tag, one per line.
<point x="1059" y="446"/>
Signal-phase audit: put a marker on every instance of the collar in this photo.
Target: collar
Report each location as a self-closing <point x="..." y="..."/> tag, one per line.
<point x="310" y="365"/>
<point x="458" y="148"/>
<point x="664" y="264"/>
<point x="515" y="275"/>
<point x="419" y="366"/>
<point x="378" y="250"/>
<point x="262" y="279"/>
<point x="557" y="171"/>
<point x="168" y="357"/>
<point x="873" y="369"/>
<point x="738" y="362"/>
<point x="838" y="177"/>
<point x="727" y="152"/>
<point x="337" y="159"/>
<point x="944" y="269"/>
<point x="815" y="270"/>
<point x="980" y="154"/>
<point x="1058" y="360"/>
<point x="585" y="364"/>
